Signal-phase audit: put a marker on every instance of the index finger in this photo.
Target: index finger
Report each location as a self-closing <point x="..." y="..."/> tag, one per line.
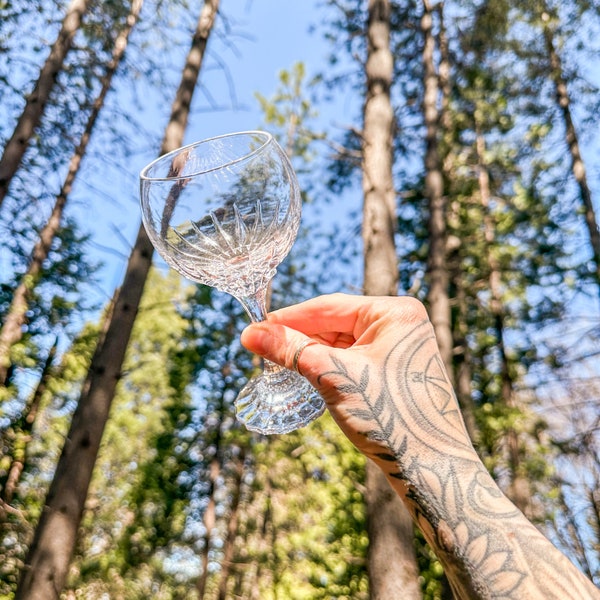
<point x="337" y="313"/>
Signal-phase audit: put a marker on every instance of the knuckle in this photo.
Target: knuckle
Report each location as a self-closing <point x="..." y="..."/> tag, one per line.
<point x="288" y="355"/>
<point x="413" y="309"/>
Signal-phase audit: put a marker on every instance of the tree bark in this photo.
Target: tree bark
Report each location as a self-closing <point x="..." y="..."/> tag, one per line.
<point x="12" y="328"/>
<point x="379" y="204"/>
<point x="462" y="367"/>
<point x="46" y="566"/>
<point x="393" y="571"/>
<point x="437" y="127"/>
<point x="437" y="269"/>
<point x="209" y="518"/>
<point x="232" y="525"/>
<point x="36" y="101"/>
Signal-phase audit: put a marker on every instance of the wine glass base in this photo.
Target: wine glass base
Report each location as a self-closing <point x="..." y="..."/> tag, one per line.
<point x="278" y="402"/>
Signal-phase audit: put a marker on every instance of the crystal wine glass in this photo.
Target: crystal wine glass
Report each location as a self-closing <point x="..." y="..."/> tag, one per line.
<point x="225" y="212"/>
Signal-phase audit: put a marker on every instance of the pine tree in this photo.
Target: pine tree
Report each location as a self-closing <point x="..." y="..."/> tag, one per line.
<point x="138" y="497"/>
<point x="392" y="563"/>
<point x="14" y="319"/>
<point x="36" y="101"/>
<point x="548" y="20"/>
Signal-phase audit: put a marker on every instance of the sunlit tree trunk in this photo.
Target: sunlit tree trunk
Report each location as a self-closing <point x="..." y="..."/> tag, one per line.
<point x="36" y="101"/>
<point x="464" y="373"/>
<point x="379" y="207"/>
<point x="436" y="90"/>
<point x="209" y="518"/>
<point x="393" y="571"/>
<point x="437" y="269"/>
<point x="232" y="525"/>
<point x="46" y="566"/>
<point x="462" y="367"/>
<point x="12" y="328"/>
<point x="578" y="166"/>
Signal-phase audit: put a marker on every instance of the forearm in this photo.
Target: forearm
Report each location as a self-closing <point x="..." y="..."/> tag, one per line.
<point x="377" y="365"/>
<point x="488" y="548"/>
<point x="410" y="424"/>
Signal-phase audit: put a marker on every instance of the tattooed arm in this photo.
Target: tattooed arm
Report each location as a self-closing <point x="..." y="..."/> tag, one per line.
<point x="377" y="365"/>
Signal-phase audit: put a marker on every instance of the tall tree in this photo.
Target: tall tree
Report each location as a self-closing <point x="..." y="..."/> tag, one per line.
<point x="393" y="571"/>
<point x="47" y="563"/>
<point x="461" y="352"/>
<point x="22" y="435"/>
<point x="484" y="95"/>
<point x="36" y="101"/>
<point x="563" y="101"/>
<point x="12" y="328"/>
<point x="34" y="438"/>
<point x="437" y="296"/>
<point x="139" y="492"/>
<point x="519" y="490"/>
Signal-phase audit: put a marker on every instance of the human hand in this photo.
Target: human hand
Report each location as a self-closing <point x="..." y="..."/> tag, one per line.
<point x="376" y="363"/>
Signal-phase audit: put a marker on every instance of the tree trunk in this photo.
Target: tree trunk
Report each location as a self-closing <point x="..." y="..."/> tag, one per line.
<point x="209" y="519"/>
<point x="577" y="164"/>
<point x="460" y="348"/>
<point x="31" y="588"/>
<point x="379" y="206"/>
<point x="464" y="374"/>
<point x="23" y="436"/>
<point x="519" y="490"/>
<point x="393" y="571"/>
<point x="437" y="270"/>
<point x="12" y="328"/>
<point x="36" y="101"/>
<point x="232" y="525"/>
<point x="46" y="566"/>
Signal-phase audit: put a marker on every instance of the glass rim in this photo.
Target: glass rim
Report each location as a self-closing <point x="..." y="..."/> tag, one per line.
<point x="268" y="139"/>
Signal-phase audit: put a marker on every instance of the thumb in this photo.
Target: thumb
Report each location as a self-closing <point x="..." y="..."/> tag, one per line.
<point x="280" y="345"/>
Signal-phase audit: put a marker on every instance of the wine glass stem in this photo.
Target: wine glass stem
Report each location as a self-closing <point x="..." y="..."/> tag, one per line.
<point x="256" y="307"/>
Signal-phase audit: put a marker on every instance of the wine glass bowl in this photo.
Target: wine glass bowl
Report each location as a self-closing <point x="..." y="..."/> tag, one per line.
<point x="225" y="212"/>
<point x="221" y="214"/>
